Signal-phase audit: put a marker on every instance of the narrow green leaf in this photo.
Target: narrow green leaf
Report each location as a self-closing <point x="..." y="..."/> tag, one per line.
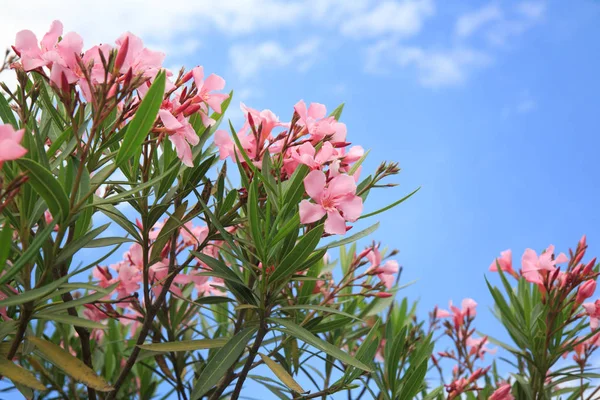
<point x="298" y="332"/>
<point x="5" y="244"/>
<point x="394" y="204"/>
<point x="282" y="374"/>
<point x="353" y="238"/>
<point x="185" y="345"/>
<point x="46" y="185"/>
<point x="32" y="295"/>
<point x="220" y="363"/>
<point x="305" y="246"/>
<point x="71" y="365"/>
<point x="6" y="113"/>
<point x="70" y="320"/>
<point x="337" y="113"/>
<point x="19" y="375"/>
<point x="79" y="243"/>
<point x="143" y="121"/>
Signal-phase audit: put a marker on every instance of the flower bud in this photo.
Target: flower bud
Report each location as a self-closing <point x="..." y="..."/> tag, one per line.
<point x="122" y="54"/>
<point x="585" y="291"/>
<point x="187" y="76"/>
<point x="589" y="267"/>
<point x="383" y="295"/>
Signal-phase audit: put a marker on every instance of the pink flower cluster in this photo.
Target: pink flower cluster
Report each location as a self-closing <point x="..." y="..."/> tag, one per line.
<point x="576" y="280"/>
<point x="62" y="60"/>
<point x="311" y="139"/>
<point x="128" y="275"/>
<point x="467" y="350"/>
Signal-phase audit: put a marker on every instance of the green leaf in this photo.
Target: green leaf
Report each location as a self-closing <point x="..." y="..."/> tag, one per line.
<point x="337" y="113"/>
<point x="55" y="307"/>
<point x="298" y="332"/>
<point x="70" y="320"/>
<point x="167" y="231"/>
<point x="143" y="121"/>
<point x="46" y="185"/>
<point x="79" y="243"/>
<point x="220" y="362"/>
<point x="31" y="295"/>
<point x="365" y="353"/>
<point x="5" y="244"/>
<point x="254" y="219"/>
<point x="6" y="113"/>
<point x="394" y="204"/>
<point x="282" y="374"/>
<point x="325" y="309"/>
<point x="72" y="366"/>
<point x="353" y="238"/>
<point x="185" y="345"/>
<point x="232" y="280"/>
<point x="107" y="241"/>
<point x="19" y="375"/>
<point x="305" y="246"/>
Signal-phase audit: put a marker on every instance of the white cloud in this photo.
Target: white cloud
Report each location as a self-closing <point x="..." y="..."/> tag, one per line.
<point x="434" y="68"/>
<point x="524" y="104"/>
<point x="401" y="18"/>
<point x="526" y="15"/>
<point x="532" y="9"/>
<point x="469" y="23"/>
<point x="248" y="60"/>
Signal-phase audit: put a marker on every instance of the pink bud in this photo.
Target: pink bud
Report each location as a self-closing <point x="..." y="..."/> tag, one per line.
<point x="582" y="241"/>
<point x="187" y="77"/>
<point x="589" y="267"/>
<point x="383" y="295"/>
<point x="585" y="291"/>
<point x="191" y="110"/>
<point x="122" y="54"/>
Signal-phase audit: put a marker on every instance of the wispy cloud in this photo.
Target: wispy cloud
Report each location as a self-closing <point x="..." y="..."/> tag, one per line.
<point x="469" y="23"/>
<point x="434" y="68"/>
<point x="523" y="17"/>
<point x="404" y="18"/>
<point x="248" y="60"/>
<point x="524" y="104"/>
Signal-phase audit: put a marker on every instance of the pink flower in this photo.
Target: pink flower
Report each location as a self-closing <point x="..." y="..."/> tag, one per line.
<point x="205" y="87"/>
<point x="264" y="120"/>
<point x="386" y="271"/>
<point x="193" y="235"/>
<point x="181" y="133"/>
<point x="458" y="314"/>
<point x="336" y="199"/>
<point x="317" y="125"/>
<point x="593" y="310"/>
<point x="61" y="56"/>
<point x="502" y="393"/>
<point x="586" y="290"/>
<point x="307" y="154"/>
<point x="10" y="143"/>
<point x="533" y="266"/>
<point x="227" y="147"/>
<point x="505" y="262"/>
<point x="140" y="59"/>
<point x="477" y="346"/>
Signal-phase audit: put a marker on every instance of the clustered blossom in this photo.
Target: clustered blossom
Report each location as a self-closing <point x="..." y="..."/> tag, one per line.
<point x="62" y="60"/>
<point x="127" y="274"/>
<point x="311" y="139"/>
<point x="329" y="288"/>
<point x="576" y="281"/>
<point x="467" y="350"/>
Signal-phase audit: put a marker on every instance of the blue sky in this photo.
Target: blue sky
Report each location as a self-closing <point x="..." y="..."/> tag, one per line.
<point x="491" y="107"/>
